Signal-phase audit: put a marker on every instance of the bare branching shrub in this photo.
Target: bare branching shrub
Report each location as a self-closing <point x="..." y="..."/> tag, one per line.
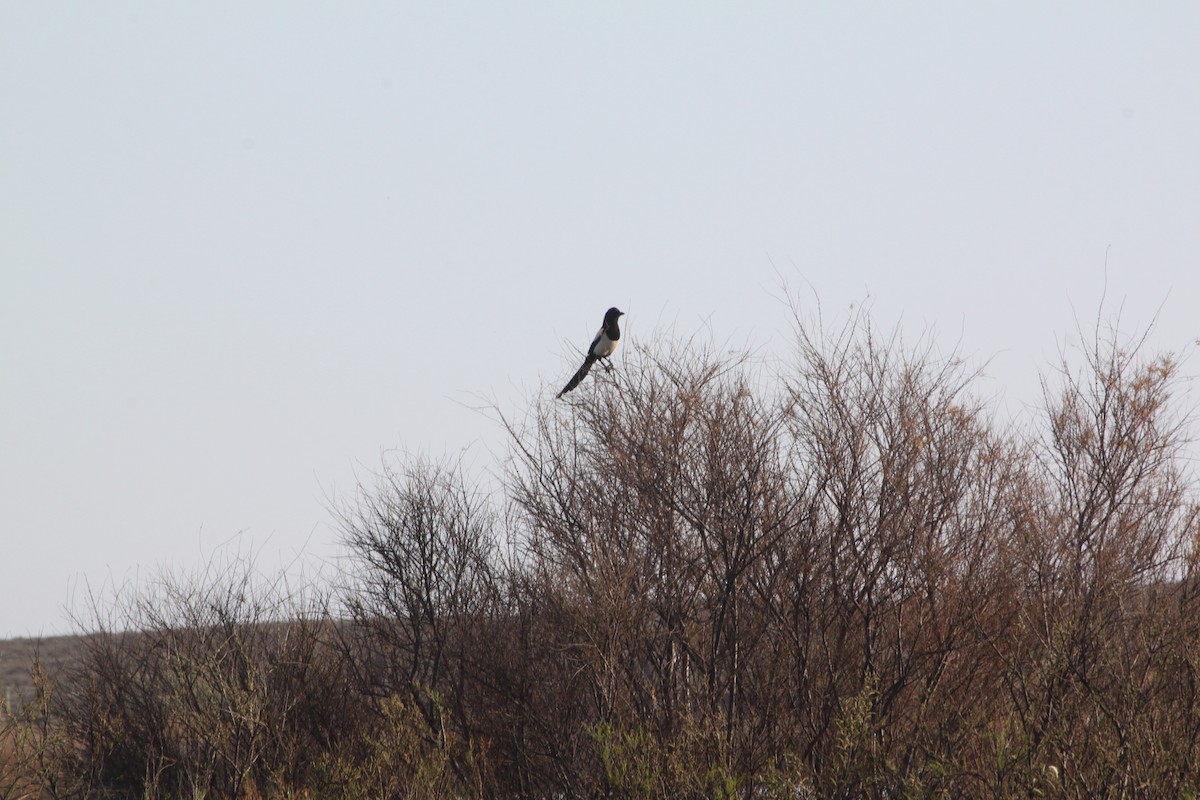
<point x="218" y="686"/>
<point x="1102" y="685"/>
<point x="650" y="512"/>
<point x="422" y="597"/>
<point x="897" y="565"/>
<point x="701" y="579"/>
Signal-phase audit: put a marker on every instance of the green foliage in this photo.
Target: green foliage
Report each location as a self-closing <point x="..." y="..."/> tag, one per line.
<point x="627" y="758"/>
<point x="636" y="764"/>
<point x="398" y="757"/>
<point x="859" y="760"/>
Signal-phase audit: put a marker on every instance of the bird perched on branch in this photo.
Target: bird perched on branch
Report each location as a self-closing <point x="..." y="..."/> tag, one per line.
<point x="603" y="346"/>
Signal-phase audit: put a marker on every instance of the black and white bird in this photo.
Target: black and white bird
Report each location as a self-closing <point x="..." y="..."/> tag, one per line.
<point x="603" y="346"/>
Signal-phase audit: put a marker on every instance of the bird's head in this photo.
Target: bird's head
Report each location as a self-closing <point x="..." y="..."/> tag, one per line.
<point x="612" y="315"/>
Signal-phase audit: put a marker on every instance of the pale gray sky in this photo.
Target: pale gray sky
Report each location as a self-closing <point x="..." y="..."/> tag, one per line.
<point x="246" y="247"/>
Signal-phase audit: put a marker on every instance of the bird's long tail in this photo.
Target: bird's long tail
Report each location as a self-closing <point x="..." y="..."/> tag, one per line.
<point x="579" y="375"/>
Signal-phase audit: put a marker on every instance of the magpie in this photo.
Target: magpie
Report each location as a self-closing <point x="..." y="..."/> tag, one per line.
<point x="603" y="346"/>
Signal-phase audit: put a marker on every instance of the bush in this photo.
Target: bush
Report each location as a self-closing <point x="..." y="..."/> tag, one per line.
<point x="846" y="581"/>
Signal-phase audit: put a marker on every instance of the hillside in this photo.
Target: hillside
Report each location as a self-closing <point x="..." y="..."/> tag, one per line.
<point x="17" y="657"/>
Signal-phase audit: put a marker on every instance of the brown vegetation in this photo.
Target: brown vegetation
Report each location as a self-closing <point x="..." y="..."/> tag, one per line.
<point x="847" y="581"/>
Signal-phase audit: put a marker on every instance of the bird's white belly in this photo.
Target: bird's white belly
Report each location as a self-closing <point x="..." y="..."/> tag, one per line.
<point x="605" y="347"/>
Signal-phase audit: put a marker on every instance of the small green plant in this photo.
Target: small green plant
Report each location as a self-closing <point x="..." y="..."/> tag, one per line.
<point x="626" y="757"/>
<point x="858" y="760"/>
<point x="721" y="784"/>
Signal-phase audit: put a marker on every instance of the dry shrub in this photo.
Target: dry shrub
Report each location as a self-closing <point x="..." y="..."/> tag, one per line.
<point x="214" y="686"/>
<point x="702" y="580"/>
